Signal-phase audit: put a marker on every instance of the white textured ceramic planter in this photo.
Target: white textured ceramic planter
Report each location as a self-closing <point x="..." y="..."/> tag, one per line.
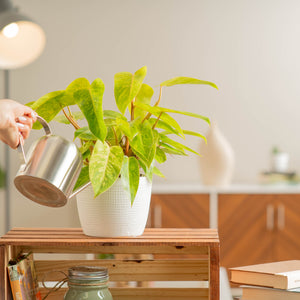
<point x="111" y="214"/>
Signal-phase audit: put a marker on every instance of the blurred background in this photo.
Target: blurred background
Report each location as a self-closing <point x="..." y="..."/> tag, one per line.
<point x="250" y="49"/>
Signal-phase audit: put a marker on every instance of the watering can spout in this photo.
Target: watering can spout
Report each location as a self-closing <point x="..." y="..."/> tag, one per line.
<point x="80" y="189"/>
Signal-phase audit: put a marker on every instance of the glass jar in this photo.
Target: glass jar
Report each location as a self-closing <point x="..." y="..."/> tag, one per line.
<point x="88" y="283"/>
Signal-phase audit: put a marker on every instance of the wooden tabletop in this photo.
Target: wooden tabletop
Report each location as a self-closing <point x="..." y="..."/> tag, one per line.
<point x="75" y="236"/>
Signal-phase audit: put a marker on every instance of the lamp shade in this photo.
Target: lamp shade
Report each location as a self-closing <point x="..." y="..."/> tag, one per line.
<point x="21" y="40"/>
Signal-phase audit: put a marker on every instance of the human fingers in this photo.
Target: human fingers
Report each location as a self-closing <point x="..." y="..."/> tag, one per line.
<point x="10" y="136"/>
<point x="33" y="115"/>
<point x="22" y="110"/>
<point x="23" y="129"/>
<point x="25" y="121"/>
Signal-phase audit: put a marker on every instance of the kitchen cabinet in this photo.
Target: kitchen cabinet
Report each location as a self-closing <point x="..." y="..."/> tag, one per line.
<point x="256" y="224"/>
<point x="179" y="211"/>
<point x="258" y="228"/>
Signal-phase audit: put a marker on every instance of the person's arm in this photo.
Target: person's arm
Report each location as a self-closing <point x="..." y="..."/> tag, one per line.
<point x="15" y="118"/>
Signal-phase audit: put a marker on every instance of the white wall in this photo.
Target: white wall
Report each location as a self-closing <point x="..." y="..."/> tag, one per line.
<point x="249" y="48"/>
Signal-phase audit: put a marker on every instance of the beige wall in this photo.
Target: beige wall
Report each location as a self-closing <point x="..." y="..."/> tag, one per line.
<point x="250" y="49"/>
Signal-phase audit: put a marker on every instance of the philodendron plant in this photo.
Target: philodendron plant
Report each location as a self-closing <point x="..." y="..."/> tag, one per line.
<point x="113" y="145"/>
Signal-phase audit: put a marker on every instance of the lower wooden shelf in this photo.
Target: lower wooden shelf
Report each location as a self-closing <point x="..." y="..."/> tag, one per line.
<point x="134" y="260"/>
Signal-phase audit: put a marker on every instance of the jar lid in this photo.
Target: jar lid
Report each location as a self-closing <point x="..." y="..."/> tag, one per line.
<point x="88" y="273"/>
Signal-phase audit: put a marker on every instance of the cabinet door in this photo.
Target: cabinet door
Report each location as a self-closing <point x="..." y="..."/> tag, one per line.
<point x="288" y="227"/>
<point x="246" y="229"/>
<point x="180" y="210"/>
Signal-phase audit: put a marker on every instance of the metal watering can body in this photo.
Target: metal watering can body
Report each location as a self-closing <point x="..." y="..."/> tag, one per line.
<point x="50" y="169"/>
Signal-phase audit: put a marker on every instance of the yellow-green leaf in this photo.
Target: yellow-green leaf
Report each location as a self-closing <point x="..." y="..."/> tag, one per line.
<point x="156" y="110"/>
<point x="77" y="115"/>
<point x="105" y="166"/>
<point x="130" y="176"/>
<point x="89" y="99"/>
<point x="188" y="132"/>
<point x="83" y="177"/>
<point x="144" y="96"/>
<point x="127" y="86"/>
<point x="144" y="143"/>
<point x="49" y="105"/>
<point x="186" y="80"/>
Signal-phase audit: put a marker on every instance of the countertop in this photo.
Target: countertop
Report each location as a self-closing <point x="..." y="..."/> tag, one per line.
<point x="159" y="188"/>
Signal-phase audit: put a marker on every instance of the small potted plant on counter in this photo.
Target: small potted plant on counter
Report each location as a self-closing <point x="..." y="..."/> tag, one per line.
<point x="118" y="151"/>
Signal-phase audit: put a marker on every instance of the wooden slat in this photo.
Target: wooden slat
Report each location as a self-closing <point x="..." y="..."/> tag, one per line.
<point x="59" y="294"/>
<point x="64" y="236"/>
<point x="145" y="294"/>
<point x="147" y="231"/>
<point x="133" y="270"/>
<point x="116" y="249"/>
<point x="160" y="293"/>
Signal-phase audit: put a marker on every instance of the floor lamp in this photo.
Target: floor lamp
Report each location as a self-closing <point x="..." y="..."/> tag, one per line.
<point x="21" y="42"/>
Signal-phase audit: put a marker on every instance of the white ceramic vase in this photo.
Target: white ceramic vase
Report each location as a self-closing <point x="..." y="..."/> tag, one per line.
<point x="217" y="161"/>
<point x="111" y="214"/>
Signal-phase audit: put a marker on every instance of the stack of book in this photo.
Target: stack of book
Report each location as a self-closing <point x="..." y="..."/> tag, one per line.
<point x="269" y="281"/>
<point x="278" y="178"/>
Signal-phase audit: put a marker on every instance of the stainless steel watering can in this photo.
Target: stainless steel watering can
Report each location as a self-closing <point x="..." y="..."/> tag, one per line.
<point x="50" y="169"/>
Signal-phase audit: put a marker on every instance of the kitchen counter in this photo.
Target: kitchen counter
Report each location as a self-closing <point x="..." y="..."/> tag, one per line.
<point x="231" y="189"/>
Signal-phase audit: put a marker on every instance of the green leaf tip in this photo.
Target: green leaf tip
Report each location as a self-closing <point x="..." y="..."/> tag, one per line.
<point x="187" y="80"/>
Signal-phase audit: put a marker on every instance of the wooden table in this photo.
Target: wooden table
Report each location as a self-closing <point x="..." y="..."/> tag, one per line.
<point x="172" y="255"/>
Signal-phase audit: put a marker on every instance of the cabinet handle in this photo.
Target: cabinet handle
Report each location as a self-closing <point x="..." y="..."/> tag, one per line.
<point x="157" y="216"/>
<point x="270" y="217"/>
<point x="281" y="216"/>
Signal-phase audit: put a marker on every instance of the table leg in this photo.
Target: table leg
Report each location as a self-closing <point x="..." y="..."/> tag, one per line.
<point x="214" y="273"/>
<point x="5" y="292"/>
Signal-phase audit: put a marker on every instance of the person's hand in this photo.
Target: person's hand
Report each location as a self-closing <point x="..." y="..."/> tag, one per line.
<point x="15" y="118"/>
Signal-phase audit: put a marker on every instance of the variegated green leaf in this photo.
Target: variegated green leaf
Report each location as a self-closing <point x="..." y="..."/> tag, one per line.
<point x="83" y="177"/>
<point x="84" y="133"/>
<point x="163" y="125"/>
<point x="127" y="86"/>
<point x="144" y="96"/>
<point x="129" y="129"/>
<point x="77" y="115"/>
<point x="86" y="146"/>
<point x="50" y="105"/>
<point x="89" y="99"/>
<point x="163" y="116"/>
<point x="130" y="176"/>
<point x="105" y="166"/>
<point x="86" y="156"/>
<point x="113" y="136"/>
<point x="144" y="143"/>
<point x="188" y="132"/>
<point x="156" y="110"/>
<point x="160" y="156"/>
<point x="171" y="150"/>
<point x="175" y="144"/>
<point x="113" y="115"/>
<point x="110" y="122"/>
<point x="186" y="80"/>
<point x="148" y="171"/>
<point x="157" y="172"/>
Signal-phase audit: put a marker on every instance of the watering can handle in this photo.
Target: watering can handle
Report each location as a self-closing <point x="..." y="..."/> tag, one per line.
<point x="44" y="124"/>
<point x="20" y="146"/>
